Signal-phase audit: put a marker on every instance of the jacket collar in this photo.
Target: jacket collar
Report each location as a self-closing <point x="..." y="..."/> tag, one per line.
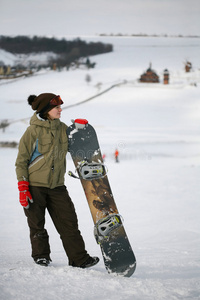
<point x="36" y="120"/>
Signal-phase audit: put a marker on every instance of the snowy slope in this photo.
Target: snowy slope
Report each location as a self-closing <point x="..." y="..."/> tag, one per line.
<point x="155" y="185"/>
<point x="33" y="59"/>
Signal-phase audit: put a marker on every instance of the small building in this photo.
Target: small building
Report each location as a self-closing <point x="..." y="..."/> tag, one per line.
<point x="188" y="66"/>
<point x="149" y="76"/>
<point x="166" y="76"/>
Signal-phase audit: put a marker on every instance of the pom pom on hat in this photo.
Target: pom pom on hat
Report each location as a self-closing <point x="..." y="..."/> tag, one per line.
<point x="31" y="98"/>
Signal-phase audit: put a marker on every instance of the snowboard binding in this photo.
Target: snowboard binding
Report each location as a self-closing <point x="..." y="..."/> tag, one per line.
<point x="90" y="171"/>
<point x="105" y="226"/>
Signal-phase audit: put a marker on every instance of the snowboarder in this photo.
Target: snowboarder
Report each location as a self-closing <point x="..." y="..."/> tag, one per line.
<point x="116" y="156"/>
<point x="40" y="169"/>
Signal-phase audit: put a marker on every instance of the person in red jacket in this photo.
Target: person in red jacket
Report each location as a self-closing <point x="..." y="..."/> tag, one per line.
<point x="116" y="155"/>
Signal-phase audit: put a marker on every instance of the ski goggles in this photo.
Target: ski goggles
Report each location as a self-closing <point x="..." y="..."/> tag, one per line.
<point x="56" y="101"/>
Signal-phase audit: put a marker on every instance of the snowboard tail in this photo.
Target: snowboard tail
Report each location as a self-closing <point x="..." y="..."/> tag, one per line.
<point x="116" y="250"/>
<point x="108" y="230"/>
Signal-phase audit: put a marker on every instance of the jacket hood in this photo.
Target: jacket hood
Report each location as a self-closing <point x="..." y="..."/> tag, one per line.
<point x="36" y="120"/>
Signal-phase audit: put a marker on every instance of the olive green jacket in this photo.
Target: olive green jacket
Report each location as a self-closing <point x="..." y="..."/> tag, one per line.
<point x="42" y="153"/>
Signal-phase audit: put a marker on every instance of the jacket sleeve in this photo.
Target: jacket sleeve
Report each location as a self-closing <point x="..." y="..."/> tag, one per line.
<point x="26" y="147"/>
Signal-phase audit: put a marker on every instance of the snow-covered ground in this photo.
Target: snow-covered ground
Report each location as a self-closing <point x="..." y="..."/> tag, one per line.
<point x="25" y="59"/>
<point x="155" y="185"/>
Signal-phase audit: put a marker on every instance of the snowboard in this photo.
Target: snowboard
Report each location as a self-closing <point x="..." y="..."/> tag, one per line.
<point x="109" y="231"/>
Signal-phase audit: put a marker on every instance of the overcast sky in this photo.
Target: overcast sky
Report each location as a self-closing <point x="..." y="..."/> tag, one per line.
<point x="60" y="18"/>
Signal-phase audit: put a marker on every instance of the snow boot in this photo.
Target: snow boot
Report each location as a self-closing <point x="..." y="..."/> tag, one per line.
<point x="42" y="261"/>
<point x="91" y="261"/>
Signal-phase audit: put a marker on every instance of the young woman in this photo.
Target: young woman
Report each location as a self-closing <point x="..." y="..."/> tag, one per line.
<point x="40" y="169"/>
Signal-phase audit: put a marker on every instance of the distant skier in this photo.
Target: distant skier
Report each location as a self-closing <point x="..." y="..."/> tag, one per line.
<point x="116" y="156"/>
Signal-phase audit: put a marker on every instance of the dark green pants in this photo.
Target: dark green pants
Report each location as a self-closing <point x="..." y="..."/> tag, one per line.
<point x="63" y="215"/>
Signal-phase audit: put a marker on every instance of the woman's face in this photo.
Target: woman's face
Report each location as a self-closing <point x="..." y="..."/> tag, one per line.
<point x="55" y="112"/>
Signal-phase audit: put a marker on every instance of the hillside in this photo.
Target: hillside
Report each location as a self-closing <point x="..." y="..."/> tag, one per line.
<point x="62" y="52"/>
<point x="155" y="127"/>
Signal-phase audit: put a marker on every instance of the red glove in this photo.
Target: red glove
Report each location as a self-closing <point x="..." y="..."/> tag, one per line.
<point x="24" y="194"/>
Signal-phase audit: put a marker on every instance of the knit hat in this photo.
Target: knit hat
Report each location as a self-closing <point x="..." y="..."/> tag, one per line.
<point x="44" y="102"/>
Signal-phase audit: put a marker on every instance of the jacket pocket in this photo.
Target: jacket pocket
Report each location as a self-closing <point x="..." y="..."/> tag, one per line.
<point x="64" y="142"/>
<point x="44" y="145"/>
<point x="36" y="164"/>
<point x="39" y="172"/>
<point x="63" y="147"/>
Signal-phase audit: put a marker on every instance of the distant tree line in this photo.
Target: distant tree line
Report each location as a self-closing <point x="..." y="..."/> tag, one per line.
<point x="67" y="51"/>
<point x="149" y="35"/>
<point x="77" y="47"/>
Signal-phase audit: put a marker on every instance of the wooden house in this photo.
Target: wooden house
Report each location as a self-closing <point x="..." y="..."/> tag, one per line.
<point x="149" y="76"/>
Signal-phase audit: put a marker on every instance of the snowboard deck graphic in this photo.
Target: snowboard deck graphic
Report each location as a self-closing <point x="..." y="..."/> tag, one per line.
<point x="109" y="230"/>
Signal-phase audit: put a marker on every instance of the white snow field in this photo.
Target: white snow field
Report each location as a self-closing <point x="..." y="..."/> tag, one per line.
<point x="156" y="187"/>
